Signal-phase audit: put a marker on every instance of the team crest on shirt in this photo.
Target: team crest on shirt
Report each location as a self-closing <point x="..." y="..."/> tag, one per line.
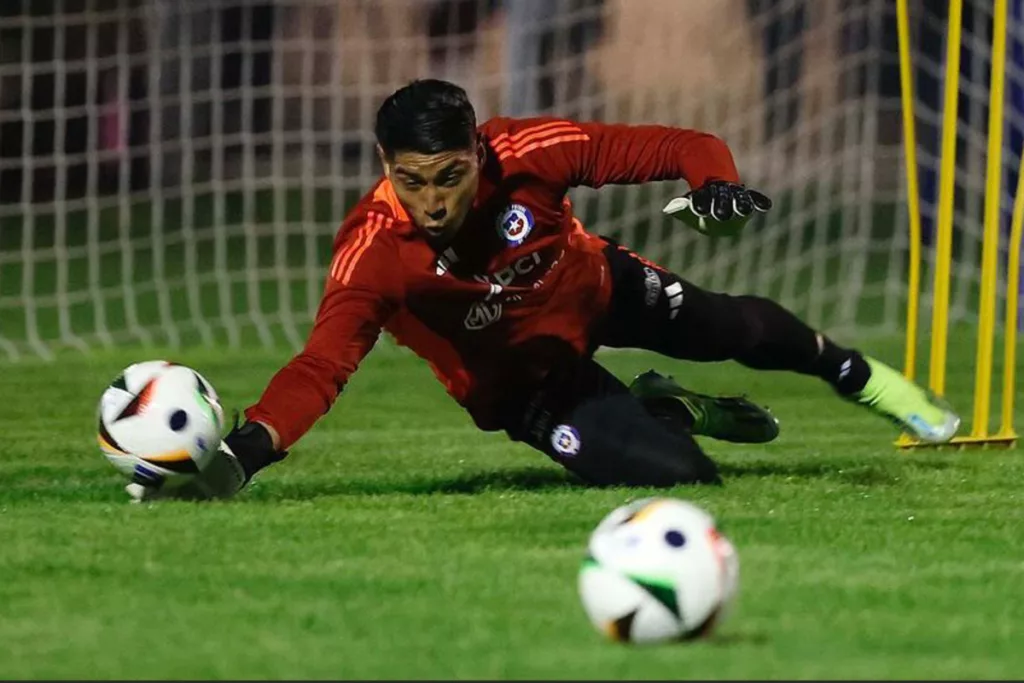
<point x="515" y="224"/>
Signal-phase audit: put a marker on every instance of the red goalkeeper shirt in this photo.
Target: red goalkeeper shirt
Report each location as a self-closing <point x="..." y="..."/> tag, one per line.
<point x="521" y="285"/>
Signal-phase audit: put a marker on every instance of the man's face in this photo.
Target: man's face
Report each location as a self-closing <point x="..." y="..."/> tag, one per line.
<point x="436" y="189"/>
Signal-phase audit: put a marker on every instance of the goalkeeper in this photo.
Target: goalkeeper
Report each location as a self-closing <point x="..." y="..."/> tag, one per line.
<point x="467" y="251"/>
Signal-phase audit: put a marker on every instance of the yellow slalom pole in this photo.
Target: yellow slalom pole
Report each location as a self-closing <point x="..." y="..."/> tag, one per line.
<point x="990" y="240"/>
<point x="1012" y="301"/>
<point x="913" y="191"/>
<point x="944" y="230"/>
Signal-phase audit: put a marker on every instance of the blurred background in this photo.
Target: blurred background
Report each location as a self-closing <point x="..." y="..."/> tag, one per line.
<point x="172" y="171"/>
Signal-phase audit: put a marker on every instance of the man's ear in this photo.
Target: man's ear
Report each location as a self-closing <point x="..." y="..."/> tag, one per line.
<point x="481" y="152"/>
<point x="383" y="160"/>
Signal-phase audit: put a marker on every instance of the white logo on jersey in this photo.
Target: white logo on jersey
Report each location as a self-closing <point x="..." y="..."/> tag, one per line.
<point x="515" y="224"/>
<point x="505" y="276"/>
<point x="485" y="313"/>
<point x="482" y="314"/>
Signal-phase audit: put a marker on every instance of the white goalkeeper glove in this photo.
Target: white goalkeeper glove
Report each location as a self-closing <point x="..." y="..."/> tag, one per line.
<point x="222" y="477"/>
<point x="718" y="207"/>
<point x="242" y="453"/>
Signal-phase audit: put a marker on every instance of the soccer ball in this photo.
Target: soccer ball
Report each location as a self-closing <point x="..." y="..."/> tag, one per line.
<point x="658" y="570"/>
<point x="159" y="423"/>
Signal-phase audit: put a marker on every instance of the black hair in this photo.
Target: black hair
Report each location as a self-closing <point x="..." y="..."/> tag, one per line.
<point x="427" y="116"/>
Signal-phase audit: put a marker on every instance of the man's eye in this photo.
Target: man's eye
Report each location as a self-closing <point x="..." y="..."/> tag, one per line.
<point x="451" y="181"/>
<point x="412" y="184"/>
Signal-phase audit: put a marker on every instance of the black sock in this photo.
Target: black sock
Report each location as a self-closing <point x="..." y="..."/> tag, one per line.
<point x="845" y="369"/>
<point x="763" y="335"/>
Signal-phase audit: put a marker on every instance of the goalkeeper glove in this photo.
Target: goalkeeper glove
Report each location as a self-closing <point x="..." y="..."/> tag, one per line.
<point x="242" y="453"/>
<point x="718" y="207"/>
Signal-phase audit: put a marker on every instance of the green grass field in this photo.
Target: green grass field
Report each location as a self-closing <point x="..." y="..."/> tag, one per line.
<point x="398" y="542"/>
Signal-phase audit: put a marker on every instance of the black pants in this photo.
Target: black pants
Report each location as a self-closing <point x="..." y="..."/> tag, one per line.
<point x="586" y="419"/>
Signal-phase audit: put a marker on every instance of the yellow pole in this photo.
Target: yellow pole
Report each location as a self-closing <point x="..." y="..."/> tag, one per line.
<point x="990" y="241"/>
<point x="944" y="230"/>
<point x="913" y="192"/>
<point x="1012" y="301"/>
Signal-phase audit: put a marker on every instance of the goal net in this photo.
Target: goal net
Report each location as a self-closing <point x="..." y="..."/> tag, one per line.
<point x="173" y="172"/>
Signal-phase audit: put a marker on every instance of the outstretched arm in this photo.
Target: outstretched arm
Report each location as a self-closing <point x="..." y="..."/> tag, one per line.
<point x="360" y="294"/>
<point x="569" y="154"/>
<point x="623" y="154"/>
<point x="346" y="328"/>
<point x="362" y="291"/>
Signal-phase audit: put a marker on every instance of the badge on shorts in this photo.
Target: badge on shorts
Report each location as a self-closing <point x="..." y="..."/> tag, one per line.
<point x="566" y="440"/>
<point x="515" y="224"/>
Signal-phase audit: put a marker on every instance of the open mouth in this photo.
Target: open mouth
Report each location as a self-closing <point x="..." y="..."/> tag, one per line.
<point x="435" y="229"/>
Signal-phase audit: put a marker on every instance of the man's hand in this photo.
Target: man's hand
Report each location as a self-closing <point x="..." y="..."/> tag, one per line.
<point x="222" y="477"/>
<point x="242" y="453"/>
<point x="718" y="207"/>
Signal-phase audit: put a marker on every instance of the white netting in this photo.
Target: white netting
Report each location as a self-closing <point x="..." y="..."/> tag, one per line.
<point x="173" y="171"/>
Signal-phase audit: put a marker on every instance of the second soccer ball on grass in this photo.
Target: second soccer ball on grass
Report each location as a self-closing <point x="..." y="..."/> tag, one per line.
<point x="658" y="570"/>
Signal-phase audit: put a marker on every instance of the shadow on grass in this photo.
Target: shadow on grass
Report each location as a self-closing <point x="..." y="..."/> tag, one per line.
<point x="872" y="474"/>
<point x="37" y="485"/>
<point x="498" y="481"/>
<point x="537" y="479"/>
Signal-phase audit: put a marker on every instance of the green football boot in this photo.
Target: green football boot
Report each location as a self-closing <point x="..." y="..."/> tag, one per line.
<point x="904" y="403"/>
<point x="726" y="418"/>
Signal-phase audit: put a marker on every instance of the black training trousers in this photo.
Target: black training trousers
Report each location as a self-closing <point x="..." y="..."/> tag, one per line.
<point x="586" y="419"/>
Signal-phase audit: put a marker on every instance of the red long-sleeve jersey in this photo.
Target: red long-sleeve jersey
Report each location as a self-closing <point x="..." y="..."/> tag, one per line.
<point x="521" y="285"/>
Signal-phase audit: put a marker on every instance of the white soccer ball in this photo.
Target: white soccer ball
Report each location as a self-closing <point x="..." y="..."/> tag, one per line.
<point x="658" y="570"/>
<point x="159" y="422"/>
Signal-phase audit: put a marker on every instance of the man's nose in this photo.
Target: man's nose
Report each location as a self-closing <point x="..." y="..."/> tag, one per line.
<point x="437" y="214"/>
